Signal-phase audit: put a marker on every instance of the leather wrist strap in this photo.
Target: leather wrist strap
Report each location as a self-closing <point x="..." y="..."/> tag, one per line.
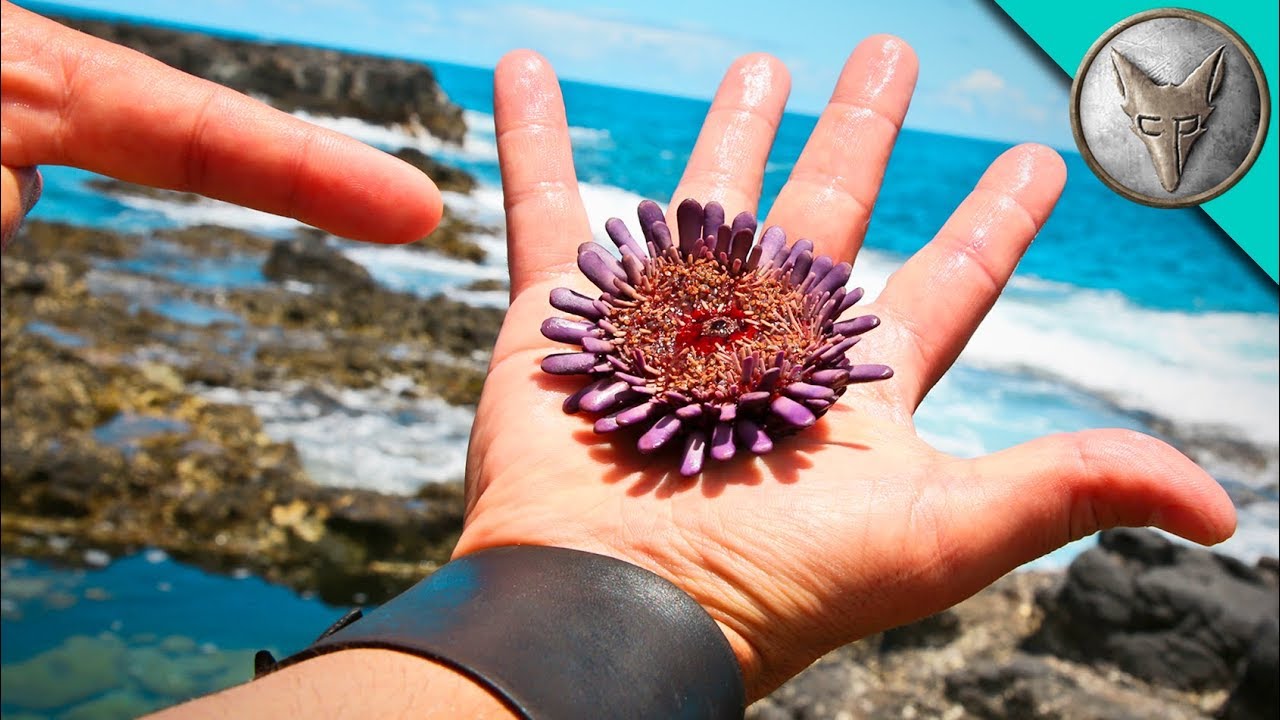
<point x="557" y="634"/>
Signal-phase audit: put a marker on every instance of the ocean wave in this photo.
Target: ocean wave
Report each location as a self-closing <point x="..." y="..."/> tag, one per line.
<point x="421" y="273"/>
<point x="476" y="146"/>
<point x="596" y="137"/>
<point x="207" y="211"/>
<point x="1212" y="370"/>
<point x="606" y="201"/>
<point x="373" y="439"/>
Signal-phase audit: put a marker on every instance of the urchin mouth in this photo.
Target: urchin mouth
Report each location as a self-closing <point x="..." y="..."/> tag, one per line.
<point x="717" y="340"/>
<point x="694" y="323"/>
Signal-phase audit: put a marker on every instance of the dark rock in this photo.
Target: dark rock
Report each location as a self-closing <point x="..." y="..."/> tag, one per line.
<point x="1031" y="688"/>
<point x="446" y="177"/>
<point x="487" y="285"/>
<point x="122" y="188"/>
<point x="311" y="261"/>
<point x="216" y="241"/>
<point x="295" y="77"/>
<point x="1171" y="614"/>
<point x="822" y="691"/>
<point x="934" y="631"/>
<point x="1269" y="568"/>
<point x="453" y="238"/>
<point x="1257" y="696"/>
<point x="977" y="673"/>
<point x="56" y="477"/>
<point x="41" y="240"/>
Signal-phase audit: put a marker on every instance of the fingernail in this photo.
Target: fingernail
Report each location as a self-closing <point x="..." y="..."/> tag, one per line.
<point x="30" y="185"/>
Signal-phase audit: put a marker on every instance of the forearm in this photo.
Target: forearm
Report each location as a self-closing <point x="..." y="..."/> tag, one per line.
<point x="359" y="683"/>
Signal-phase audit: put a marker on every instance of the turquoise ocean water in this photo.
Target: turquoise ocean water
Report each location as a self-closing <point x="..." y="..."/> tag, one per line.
<point x="1120" y="315"/>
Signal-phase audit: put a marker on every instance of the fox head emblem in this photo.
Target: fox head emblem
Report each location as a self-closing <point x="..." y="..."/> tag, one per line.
<point x="1169" y="118"/>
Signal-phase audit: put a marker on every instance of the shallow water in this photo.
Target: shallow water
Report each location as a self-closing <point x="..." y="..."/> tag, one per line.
<point x="137" y="633"/>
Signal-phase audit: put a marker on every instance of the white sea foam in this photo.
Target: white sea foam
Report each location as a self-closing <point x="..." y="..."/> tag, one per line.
<point x="596" y="137"/>
<point x="604" y="202"/>
<point x="1257" y="533"/>
<point x="482" y="298"/>
<point x="374" y="439"/>
<point x="476" y="145"/>
<point x="479" y="143"/>
<point x="1209" y="369"/>
<point x="1195" y="369"/>
<point x="425" y="274"/>
<point x="483" y="205"/>
<point x="212" y="212"/>
<point x="480" y="123"/>
<point x="394" y="256"/>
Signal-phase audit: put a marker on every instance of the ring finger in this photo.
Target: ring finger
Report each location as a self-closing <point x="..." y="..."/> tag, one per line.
<point x="727" y="164"/>
<point x="829" y="196"/>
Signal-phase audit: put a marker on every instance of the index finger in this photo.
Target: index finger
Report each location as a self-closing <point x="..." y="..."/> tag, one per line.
<point x="72" y="99"/>
<point x="546" y="220"/>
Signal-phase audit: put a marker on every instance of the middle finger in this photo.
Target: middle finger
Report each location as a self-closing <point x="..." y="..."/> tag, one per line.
<point x="727" y="164"/>
<point x="829" y="196"/>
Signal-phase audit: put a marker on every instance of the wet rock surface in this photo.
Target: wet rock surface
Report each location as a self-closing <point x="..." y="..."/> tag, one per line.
<point x="987" y="657"/>
<point x="1167" y="613"/>
<point x="455" y="237"/>
<point x="446" y="177"/>
<point x="104" y="677"/>
<point x="112" y="443"/>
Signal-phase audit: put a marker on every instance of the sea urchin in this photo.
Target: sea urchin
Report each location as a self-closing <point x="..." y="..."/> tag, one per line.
<point x="716" y="340"/>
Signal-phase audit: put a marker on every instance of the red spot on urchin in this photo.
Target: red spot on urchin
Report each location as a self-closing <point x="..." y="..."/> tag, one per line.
<point x="706" y="331"/>
<point x="717" y="340"/>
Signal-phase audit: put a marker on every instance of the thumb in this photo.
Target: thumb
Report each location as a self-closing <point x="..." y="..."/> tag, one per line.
<point x="19" y="191"/>
<point x="1038" y="496"/>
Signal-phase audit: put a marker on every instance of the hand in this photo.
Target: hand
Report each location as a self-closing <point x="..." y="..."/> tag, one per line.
<point x="855" y="525"/>
<point x="72" y="99"/>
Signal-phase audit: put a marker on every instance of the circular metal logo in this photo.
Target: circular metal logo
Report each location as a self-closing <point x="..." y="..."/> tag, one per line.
<point x="1170" y="108"/>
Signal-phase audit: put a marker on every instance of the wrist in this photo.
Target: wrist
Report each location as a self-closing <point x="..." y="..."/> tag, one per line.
<point x="749" y="660"/>
<point x="557" y="633"/>
<point x="719" y="605"/>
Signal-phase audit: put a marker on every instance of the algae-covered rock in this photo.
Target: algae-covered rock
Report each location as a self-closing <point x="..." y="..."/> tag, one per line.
<point x="453" y="239"/>
<point x="446" y="177"/>
<point x="309" y="260"/>
<point x="118" y="705"/>
<point x="156" y="673"/>
<point x="235" y="668"/>
<point x="198" y="478"/>
<point x="78" y="669"/>
<point x="178" y="645"/>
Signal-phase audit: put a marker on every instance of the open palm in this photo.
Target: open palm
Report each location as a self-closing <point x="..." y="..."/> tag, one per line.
<point x="857" y="524"/>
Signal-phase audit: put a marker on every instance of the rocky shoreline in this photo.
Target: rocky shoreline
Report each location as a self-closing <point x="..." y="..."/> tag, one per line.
<point x="111" y="441"/>
<point x="382" y="90"/>
<point x="113" y="437"/>
<point x="1138" y="628"/>
<point x="116" y="438"/>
